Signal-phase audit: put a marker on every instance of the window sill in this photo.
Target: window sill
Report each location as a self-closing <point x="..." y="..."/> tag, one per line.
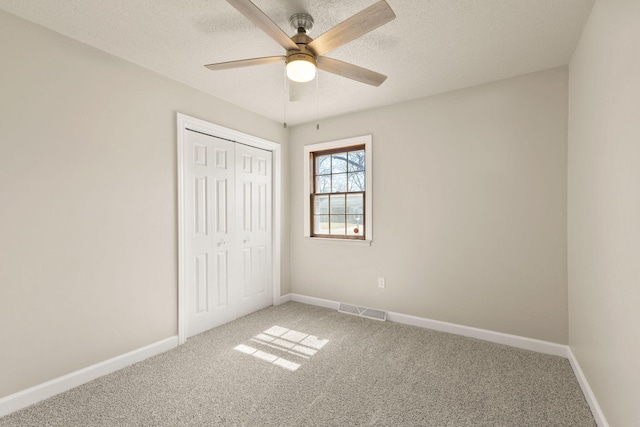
<point x="349" y="242"/>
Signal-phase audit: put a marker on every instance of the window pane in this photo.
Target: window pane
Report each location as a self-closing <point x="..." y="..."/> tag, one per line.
<point x="323" y="184"/>
<point x="337" y="204"/>
<point x="355" y="203"/>
<point x="323" y="165"/>
<point x="356" y="181"/>
<point x="337" y="196"/>
<point x="339" y="183"/>
<point x="339" y="163"/>
<point x="355" y="227"/>
<point x="356" y="160"/>
<point x="321" y="205"/>
<point x="337" y="225"/>
<point x="321" y="224"/>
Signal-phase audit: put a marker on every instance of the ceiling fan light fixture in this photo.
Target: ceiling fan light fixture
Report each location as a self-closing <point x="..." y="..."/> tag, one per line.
<point x="301" y="68"/>
<point x="303" y="52"/>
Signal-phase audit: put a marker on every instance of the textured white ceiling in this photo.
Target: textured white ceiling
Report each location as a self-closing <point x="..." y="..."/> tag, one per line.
<point x="432" y="46"/>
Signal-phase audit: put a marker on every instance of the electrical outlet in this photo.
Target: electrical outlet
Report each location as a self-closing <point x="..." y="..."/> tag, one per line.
<point x="381" y="282"/>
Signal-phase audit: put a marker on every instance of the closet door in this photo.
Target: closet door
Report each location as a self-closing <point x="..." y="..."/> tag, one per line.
<point x="254" y="235"/>
<point x="209" y="227"/>
<point x="227" y="231"/>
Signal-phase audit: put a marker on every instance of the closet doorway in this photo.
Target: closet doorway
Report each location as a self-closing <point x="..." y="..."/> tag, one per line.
<point x="228" y="246"/>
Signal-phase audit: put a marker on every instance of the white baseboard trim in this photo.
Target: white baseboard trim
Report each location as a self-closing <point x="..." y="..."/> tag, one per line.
<point x="35" y="394"/>
<point x="452" y="328"/>
<point x="532" y="344"/>
<point x="315" y="301"/>
<point x="598" y="415"/>
<point x="283" y="299"/>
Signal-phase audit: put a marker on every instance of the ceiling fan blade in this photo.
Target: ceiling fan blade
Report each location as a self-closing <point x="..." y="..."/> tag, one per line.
<point x="358" y="25"/>
<point x="350" y="71"/>
<point x="245" y="63"/>
<point x="262" y="21"/>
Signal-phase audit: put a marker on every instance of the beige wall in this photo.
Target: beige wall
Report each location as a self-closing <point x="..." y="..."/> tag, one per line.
<point x="469" y="209"/>
<point x="88" y="234"/>
<point x="604" y="207"/>
<point x="470" y="206"/>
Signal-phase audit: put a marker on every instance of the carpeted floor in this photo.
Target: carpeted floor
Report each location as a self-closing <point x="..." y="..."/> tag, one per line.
<point x="297" y="365"/>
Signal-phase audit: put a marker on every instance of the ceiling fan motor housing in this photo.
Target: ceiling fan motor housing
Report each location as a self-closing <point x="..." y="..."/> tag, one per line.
<point x="301" y="62"/>
<point x="300" y="56"/>
<point x="302" y="53"/>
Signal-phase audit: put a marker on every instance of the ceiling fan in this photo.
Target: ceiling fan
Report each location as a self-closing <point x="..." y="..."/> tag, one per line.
<point x="305" y="54"/>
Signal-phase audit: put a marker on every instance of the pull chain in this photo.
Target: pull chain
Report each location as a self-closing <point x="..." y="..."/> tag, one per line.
<point x="318" y="101"/>
<point x="286" y="93"/>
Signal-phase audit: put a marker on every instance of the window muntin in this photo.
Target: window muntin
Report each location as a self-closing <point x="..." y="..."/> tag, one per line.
<point x="339" y="191"/>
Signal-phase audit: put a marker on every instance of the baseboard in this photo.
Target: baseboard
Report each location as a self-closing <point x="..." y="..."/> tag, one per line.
<point x="452" y="328"/>
<point x="35" y="394"/>
<point x="598" y="415"/>
<point x="283" y="299"/>
<point x="539" y="346"/>
<point x="315" y="301"/>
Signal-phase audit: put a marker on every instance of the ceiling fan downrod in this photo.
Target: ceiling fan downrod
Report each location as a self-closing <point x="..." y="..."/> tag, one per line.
<point x="301" y="22"/>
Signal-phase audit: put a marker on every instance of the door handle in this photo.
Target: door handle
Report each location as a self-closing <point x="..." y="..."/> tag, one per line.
<point x="221" y="242"/>
<point x="246" y="240"/>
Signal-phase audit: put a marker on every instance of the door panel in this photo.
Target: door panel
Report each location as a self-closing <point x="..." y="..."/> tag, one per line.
<point x="246" y="207"/>
<point x="261" y="259"/>
<point x="221" y="205"/>
<point x="222" y="282"/>
<point x="202" y="283"/>
<point x="253" y="181"/>
<point x="247" y="273"/>
<point x="208" y="218"/>
<point x="262" y="206"/>
<point x="200" y="205"/>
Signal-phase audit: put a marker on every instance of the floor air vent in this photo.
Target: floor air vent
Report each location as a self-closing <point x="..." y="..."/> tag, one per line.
<point x="363" y="312"/>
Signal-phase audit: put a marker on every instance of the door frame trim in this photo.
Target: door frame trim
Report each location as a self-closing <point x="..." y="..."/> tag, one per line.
<point x="184" y="123"/>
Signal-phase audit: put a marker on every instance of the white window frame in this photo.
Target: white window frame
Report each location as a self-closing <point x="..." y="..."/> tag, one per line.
<point x="365" y="140"/>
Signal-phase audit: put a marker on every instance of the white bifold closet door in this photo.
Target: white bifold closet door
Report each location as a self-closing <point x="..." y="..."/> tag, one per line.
<point x="228" y="241"/>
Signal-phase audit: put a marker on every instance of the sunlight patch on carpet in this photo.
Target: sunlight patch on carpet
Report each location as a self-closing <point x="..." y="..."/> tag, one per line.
<point x="283" y="342"/>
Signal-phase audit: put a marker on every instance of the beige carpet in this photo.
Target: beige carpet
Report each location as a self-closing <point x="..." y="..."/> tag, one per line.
<point x="296" y="365"/>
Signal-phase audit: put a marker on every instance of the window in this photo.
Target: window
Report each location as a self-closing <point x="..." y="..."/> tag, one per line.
<point x="338" y="190"/>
